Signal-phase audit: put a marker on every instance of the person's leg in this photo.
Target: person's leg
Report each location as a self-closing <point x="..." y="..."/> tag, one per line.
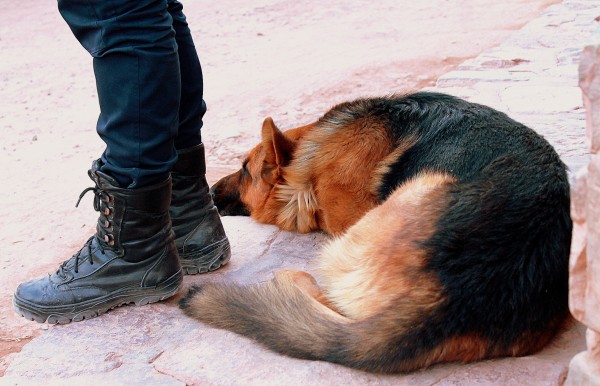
<point x="192" y="107"/>
<point x="133" y="256"/>
<point x="199" y="235"/>
<point x="136" y="65"/>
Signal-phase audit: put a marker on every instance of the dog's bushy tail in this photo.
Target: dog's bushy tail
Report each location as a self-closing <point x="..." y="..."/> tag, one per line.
<point x="287" y="320"/>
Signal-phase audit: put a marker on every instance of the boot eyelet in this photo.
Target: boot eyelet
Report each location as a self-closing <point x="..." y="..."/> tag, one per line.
<point x="106" y="223"/>
<point x="107" y="211"/>
<point x="109" y="239"/>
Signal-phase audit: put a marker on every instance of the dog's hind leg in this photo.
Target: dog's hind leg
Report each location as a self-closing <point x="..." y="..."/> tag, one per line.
<point x="307" y="284"/>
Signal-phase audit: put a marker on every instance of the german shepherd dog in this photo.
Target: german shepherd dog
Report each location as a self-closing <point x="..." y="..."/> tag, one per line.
<point x="451" y="236"/>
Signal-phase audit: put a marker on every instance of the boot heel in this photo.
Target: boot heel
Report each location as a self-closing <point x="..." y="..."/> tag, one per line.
<point x="163" y="291"/>
<point x="207" y="260"/>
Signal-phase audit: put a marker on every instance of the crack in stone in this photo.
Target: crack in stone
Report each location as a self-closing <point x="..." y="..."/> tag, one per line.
<point x="115" y="359"/>
<point x="156" y="357"/>
<point x="151" y="361"/>
<point x="269" y="242"/>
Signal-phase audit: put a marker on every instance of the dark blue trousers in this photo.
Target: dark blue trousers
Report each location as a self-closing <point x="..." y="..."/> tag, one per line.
<point x="149" y="83"/>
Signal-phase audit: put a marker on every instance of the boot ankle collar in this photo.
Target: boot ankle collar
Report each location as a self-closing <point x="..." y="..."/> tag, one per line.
<point x="190" y="161"/>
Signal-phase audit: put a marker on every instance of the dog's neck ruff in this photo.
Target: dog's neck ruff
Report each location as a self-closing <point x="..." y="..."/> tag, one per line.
<point x="299" y="208"/>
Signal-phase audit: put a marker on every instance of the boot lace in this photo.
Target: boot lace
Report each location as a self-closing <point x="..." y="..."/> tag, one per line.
<point x="103" y="234"/>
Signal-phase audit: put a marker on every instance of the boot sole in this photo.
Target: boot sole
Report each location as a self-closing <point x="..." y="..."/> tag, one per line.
<point x="208" y="259"/>
<point x="87" y="310"/>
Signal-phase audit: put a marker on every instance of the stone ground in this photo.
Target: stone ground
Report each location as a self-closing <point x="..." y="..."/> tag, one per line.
<point x="531" y="74"/>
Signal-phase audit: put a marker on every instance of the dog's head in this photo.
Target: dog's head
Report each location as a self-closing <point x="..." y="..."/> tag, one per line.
<point x="250" y="190"/>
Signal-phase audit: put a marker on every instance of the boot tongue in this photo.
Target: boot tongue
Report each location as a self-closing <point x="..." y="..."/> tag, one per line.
<point x="100" y="178"/>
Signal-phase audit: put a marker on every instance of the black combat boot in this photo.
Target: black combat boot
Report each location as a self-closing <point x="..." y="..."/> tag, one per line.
<point x="131" y="258"/>
<point x="199" y="235"/>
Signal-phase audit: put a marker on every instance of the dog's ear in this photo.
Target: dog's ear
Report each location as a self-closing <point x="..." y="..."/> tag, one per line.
<point x="278" y="148"/>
